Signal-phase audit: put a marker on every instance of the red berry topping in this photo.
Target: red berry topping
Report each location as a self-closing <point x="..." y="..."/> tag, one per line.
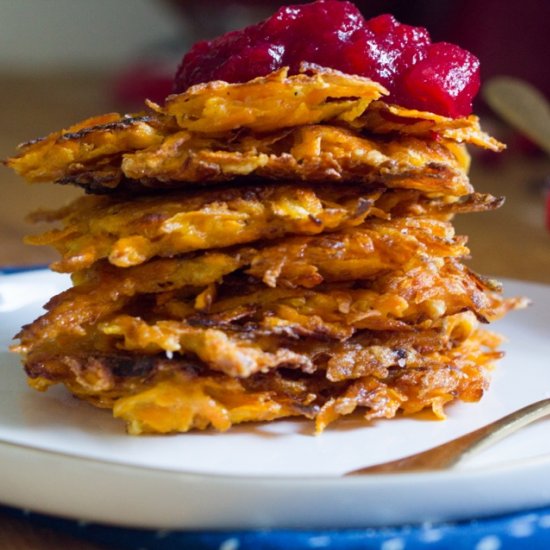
<point x="441" y="78"/>
<point x="444" y="82"/>
<point x="385" y="48"/>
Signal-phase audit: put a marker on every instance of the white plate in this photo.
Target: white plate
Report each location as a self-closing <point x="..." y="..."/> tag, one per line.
<point x="61" y="456"/>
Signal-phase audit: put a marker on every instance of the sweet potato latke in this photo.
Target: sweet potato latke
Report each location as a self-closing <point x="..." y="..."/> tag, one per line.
<point x="321" y="125"/>
<point x="281" y="247"/>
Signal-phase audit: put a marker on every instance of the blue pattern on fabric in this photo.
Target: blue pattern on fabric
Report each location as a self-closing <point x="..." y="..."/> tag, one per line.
<point x="512" y="531"/>
<point x="14" y="270"/>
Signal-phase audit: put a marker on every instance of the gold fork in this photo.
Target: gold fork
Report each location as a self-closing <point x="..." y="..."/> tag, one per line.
<point x="451" y="453"/>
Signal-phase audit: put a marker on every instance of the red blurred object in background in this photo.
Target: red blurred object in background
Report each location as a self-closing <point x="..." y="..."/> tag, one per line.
<point x="144" y="80"/>
<point x="511" y="37"/>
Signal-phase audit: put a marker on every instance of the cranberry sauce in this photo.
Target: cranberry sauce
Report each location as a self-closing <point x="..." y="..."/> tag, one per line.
<point x="440" y="77"/>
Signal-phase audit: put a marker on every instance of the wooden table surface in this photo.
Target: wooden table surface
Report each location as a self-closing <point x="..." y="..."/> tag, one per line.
<point x="511" y="242"/>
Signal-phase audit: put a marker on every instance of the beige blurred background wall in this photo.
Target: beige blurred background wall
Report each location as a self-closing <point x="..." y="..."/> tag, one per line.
<point x="46" y="34"/>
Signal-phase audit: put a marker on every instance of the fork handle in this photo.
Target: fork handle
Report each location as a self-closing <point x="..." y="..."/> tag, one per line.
<point x="450" y="453"/>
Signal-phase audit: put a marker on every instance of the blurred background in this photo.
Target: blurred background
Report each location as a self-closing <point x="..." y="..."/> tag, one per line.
<point x="64" y="60"/>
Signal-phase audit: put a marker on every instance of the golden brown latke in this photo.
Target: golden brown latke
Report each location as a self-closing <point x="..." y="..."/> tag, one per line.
<point x="272" y="102"/>
<point x="382" y="118"/>
<point x="313" y="153"/>
<point x="129" y="233"/>
<point x="399" y="292"/>
<point x="414" y="300"/>
<point x="94" y="140"/>
<point x="463" y="374"/>
<point x="158" y="394"/>
<point x="323" y="125"/>
<point x="235" y="326"/>
<point x="242" y="353"/>
<point x="318" y="95"/>
<point x="316" y="153"/>
<point x="363" y="252"/>
<point x="366" y="353"/>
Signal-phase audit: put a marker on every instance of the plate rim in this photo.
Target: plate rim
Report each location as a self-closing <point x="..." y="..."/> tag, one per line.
<point x="268" y="493"/>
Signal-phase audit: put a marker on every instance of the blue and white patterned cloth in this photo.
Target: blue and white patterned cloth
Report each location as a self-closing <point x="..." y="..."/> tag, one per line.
<point x="513" y="531"/>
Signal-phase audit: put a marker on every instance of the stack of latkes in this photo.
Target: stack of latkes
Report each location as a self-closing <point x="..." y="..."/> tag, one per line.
<point x="246" y="252"/>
